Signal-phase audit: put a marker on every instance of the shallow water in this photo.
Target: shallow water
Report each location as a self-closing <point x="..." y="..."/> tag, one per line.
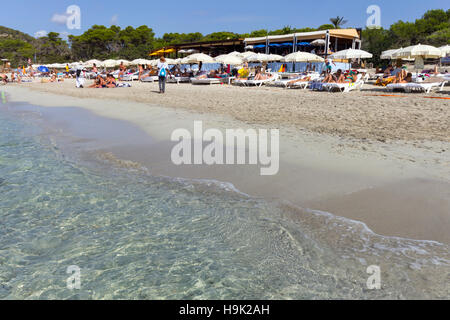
<point x="137" y="236"/>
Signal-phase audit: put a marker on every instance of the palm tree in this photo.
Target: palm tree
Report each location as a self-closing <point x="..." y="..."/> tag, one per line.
<point x="338" y="22"/>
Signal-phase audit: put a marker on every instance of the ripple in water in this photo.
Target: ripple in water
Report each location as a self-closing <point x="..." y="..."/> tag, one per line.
<point x="143" y="237"/>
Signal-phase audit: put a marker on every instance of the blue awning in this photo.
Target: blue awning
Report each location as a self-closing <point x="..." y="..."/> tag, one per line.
<point x="303" y="44"/>
<point x="259" y="46"/>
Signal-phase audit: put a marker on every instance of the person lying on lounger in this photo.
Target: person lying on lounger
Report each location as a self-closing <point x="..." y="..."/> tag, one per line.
<point x="337" y="77"/>
<point x="305" y="79"/>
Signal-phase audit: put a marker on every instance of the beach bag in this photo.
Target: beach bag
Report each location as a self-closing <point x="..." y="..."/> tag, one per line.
<point x="162" y="72"/>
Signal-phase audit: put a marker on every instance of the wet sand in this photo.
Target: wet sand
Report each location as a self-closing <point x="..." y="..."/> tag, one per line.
<point x="400" y="188"/>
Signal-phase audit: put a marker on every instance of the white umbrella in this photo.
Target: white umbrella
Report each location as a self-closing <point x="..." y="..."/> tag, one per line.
<point x="110" y="63"/>
<point x="197" y="58"/>
<point x="302" y="57"/>
<point x="137" y="62"/>
<point x="388" y="54"/>
<point x="171" y="61"/>
<point x="420" y="50"/>
<point x="445" y="50"/>
<point x="229" y="59"/>
<point x="235" y="53"/>
<point x="247" y="54"/>
<point x="318" y="42"/>
<point x="351" y="54"/>
<point x="125" y="62"/>
<point x="275" y="57"/>
<point x="258" y="57"/>
<point x="249" y="47"/>
<point x="90" y="63"/>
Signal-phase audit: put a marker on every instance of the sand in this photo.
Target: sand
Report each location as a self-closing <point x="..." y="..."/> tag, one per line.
<point x="380" y="160"/>
<point x="361" y="115"/>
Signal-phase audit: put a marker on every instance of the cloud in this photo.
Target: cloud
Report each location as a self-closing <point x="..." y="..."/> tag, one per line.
<point x="59" y="18"/>
<point x="40" y="33"/>
<point x="114" y="19"/>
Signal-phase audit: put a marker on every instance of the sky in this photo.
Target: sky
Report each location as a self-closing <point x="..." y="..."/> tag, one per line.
<point x="205" y="16"/>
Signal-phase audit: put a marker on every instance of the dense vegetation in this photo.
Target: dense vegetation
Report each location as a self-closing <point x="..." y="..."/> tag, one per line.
<point x="102" y="42"/>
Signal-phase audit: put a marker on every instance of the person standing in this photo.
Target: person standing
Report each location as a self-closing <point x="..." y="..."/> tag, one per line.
<point x="163" y="69"/>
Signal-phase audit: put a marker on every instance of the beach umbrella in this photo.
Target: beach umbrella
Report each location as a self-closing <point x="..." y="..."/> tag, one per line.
<point x="351" y="54"/>
<point x="300" y="56"/>
<point x="90" y="63"/>
<point x="171" y="61"/>
<point x="43" y="69"/>
<point x="247" y="54"/>
<point x="258" y="57"/>
<point x="235" y="53"/>
<point x="318" y="42"/>
<point x="110" y="63"/>
<point x="445" y="50"/>
<point x="229" y="59"/>
<point x="275" y="57"/>
<point x="137" y="62"/>
<point x="419" y="51"/>
<point x="197" y="58"/>
<point x="388" y="54"/>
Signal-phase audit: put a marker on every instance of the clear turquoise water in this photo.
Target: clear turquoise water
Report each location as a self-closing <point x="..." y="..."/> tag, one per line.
<point x="136" y="236"/>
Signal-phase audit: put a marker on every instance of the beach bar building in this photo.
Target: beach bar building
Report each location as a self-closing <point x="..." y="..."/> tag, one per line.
<point x="315" y="41"/>
<point x="334" y="39"/>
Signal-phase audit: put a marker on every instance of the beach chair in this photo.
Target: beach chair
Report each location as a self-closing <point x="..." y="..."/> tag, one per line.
<point x="259" y="83"/>
<point x="425" y="87"/>
<point x="346" y="87"/>
<point x="207" y="81"/>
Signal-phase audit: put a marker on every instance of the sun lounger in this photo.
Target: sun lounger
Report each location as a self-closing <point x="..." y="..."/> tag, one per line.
<point x="426" y="87"/>
<point x="207" y="80"/>
<point x="282" y="82"/>
<point x="150" y="79"/>
<point x="416" y="87"/>
<point x="178" y="80"/>
<point x="257" y="83"/>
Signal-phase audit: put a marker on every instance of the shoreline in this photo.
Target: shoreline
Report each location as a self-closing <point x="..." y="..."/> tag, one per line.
<point x="321" y="172"/>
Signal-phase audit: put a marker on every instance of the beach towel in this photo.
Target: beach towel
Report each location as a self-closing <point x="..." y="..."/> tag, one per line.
<point x="123" y="85"/>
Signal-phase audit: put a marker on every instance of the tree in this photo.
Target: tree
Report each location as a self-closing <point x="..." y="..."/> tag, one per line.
<point x="338" y="22"/>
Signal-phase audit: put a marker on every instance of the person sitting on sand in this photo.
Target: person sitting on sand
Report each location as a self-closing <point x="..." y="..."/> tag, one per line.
<point x="111" y="81"/>
<point x="4" y="78"/>
<point x="99" y="83"/>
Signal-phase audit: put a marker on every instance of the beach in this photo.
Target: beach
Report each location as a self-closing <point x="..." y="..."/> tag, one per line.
<point x="361" y="115"/>
<point x="380" y="160"/>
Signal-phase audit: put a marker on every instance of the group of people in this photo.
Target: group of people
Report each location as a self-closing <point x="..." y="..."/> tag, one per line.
<point x="394" y="75"/>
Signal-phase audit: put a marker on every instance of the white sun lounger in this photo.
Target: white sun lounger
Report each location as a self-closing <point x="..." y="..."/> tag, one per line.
<point x="150" y="79"/>
<point x="427" y="87"/>
<point x="257" y="83"/>
<point x="416" y="87"/>
<point x="177" y="80"/>
<point x="207" y="81"/>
